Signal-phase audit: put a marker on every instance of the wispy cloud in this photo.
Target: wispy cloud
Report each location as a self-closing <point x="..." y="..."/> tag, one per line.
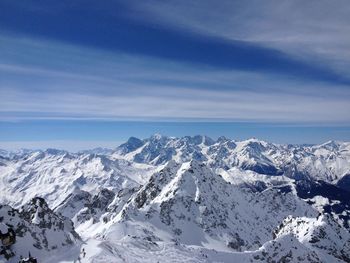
<point x="87" y="86"/>
<point x="315" y="31"/>
<point x="234" y="106"/>
<point x="233" y="35"/>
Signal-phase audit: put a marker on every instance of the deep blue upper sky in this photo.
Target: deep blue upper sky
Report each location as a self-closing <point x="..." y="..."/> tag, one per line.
<point x="111" y="63"/>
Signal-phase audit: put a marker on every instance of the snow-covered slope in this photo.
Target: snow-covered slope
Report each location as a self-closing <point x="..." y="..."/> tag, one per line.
<point x="321" y="234"/>
<point x="54" y="175"/>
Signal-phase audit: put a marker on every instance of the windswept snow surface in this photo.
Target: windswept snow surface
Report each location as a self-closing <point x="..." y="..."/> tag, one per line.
<point x="189" y="199"/>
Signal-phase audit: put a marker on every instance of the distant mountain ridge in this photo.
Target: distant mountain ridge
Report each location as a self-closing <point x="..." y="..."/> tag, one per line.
<point x="329" y="161"/>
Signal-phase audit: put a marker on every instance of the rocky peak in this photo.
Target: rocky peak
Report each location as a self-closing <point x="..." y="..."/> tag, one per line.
<point x="38" y="212"/>
<point x="322" y="233"/>
<point x="38" y="229"/>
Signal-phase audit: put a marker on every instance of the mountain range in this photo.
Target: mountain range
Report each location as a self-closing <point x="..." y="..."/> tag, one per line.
<point x="189" y="199"/>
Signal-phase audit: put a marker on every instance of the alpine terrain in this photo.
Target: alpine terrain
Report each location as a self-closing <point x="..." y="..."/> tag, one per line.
<point x="166" y="199"/>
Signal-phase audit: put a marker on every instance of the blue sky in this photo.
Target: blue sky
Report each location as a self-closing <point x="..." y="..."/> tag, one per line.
<point x="95" y="72"/>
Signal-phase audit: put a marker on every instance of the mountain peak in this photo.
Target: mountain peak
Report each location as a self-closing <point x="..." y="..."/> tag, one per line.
<point x="132" y="144"/>
<point x="156" y="136"/>
<point x="134" y="141"/>
<point x="222" y="139"/>
<point x="254" y="140"/>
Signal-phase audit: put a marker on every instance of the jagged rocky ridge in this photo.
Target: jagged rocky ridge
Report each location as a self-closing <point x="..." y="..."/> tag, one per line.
<point x="38" y="230"/>
<point x="194" y="199"/>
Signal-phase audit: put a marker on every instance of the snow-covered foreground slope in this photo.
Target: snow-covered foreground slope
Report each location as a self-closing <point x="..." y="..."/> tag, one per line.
<point x="189" y="199"/>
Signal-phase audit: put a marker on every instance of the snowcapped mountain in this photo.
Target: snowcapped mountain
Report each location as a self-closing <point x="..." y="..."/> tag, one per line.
<point x="188" y="211"/>
<point x="189" y="199"/>
<point x="198" y="207"/>
<point x="328" y="162"/>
